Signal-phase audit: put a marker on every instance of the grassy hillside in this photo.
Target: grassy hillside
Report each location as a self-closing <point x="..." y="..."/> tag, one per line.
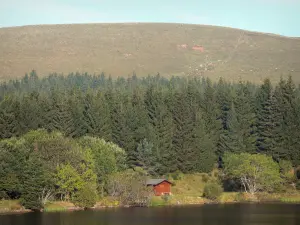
<point x="120" y="49"/>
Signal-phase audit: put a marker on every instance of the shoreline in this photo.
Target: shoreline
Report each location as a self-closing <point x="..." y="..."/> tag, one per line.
<point x="9" y="212"/>
<point x="23" y="211"/>
<point x="69" y="207"/>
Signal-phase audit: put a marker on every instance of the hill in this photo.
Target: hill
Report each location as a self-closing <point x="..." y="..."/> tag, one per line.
<point x="170" y="49"/>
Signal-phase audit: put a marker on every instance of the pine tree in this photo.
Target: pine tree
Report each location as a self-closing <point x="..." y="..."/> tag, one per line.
<point x="291" y="121"/>
<point x="224" y="100"/>
<point x="160" y="129"/>
<point x="78" y="126"/>
<point x="30" y="112"/>
<point x="34" y="181"/>
<point x="278" y="150"/>
<point x="183" y="134"/>
<point x="227" y="139"/>
<point x="262" y="95"/>
<point x="58" y="115"/>
<point x="122" y="135"/>
<point x="230" y="139"/>
<point x="265" y="119"/>
<point x="97" y="116"/>
<point x="246" y="118"/>
<point x="146" y="157"/>
<point x="205" y="157"/>
<point x="167" y="155"/>
<point x="266" y="126"/>
<point x="9" y="118"/>
<point x="136" y="124"/>
<point x="33" y="80"/>
<point x="211" y="113"/>
<point x="13" y="154"/>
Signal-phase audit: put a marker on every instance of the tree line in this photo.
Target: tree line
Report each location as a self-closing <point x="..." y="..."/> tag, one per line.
<point x="164" y="125"/>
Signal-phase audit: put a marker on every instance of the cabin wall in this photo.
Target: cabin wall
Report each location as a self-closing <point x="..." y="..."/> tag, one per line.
<point x="162" y="188"/>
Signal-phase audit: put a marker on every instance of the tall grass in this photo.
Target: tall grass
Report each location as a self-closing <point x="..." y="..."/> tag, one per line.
<point x="57" y="206"/>
<point x="55" y="209"/>
<point x="291" y="199"/>
<point x="158" y="201"/>
<point x="10" y="205"/>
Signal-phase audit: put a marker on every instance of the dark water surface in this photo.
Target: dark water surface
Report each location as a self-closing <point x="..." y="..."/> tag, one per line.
<point x="237" y="214"/>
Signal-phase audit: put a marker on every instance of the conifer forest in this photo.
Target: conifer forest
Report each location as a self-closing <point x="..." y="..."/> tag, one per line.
<point x="53" y="126"/>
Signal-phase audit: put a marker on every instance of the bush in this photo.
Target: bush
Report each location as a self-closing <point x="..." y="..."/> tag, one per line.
<point x="30" y="200"/>
<point x="281" y="188"/>
<point x="228" y="197"/>
<point x="287" y="171"/>
<point x="108" y="201"/>
<point x="166" y="198"/>
<point x="231" y="185"/>
<point x="129" y="188"/>
<point x="85" y="197"/>
<point x="298" y="185"/>
<point x="241" y="197"/>
<point x="212" y="191"/>
<point x="260" y="171"/>
<point x="3" y="195"/>
<point x="215" y="173"/>
<point x="177" y="175"/>
<point x="298" y="172"/>
<point x="205" y="177"/>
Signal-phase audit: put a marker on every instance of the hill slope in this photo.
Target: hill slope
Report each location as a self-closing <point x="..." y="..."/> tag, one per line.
<point x="170" y="49"/>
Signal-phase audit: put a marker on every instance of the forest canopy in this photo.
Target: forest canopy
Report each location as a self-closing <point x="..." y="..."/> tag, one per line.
<point x="88" y="127"/>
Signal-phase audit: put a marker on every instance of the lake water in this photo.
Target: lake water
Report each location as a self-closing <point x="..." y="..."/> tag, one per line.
<point x="235" y="214"/>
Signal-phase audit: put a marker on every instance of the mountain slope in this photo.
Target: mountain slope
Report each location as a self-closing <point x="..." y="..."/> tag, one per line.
<point x="170" y="49"/>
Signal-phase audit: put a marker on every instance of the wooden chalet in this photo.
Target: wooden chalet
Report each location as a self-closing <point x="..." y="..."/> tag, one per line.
<point x="160" y="186"/>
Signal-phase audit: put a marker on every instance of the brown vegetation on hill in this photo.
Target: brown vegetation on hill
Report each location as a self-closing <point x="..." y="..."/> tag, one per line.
<point x="170" y="49"/>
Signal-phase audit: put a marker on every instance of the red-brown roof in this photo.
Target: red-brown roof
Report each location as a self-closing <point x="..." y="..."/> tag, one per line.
<point x="154" y="182"/>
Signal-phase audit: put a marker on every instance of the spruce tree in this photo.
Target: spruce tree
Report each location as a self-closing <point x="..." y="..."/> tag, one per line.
<point x="34" y="181"/>
<point x="160" y="129"/>
<point x="211" y="114"/>
<point x="31" y="113"/>
<point x="183" y="134"/>
<point x="265" y="119"/>
<point x="291" y="121"/>
<point x="10" y="117"/>
<point x="58" y="115"/>
<point x="78" y="126"/>
<point x="262" y="95"/>
<point x="97" y="116"/>
<point x="278" y="150"/>
<point x="265" y="127"/>
<point x="230" y="139"/>
<point x="205" y="157"/>
<point x="147" y="158"/>
<point x="246" y="118"/>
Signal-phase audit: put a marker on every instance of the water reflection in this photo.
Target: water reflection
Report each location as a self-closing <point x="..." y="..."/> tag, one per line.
<point x="236" y="214"/>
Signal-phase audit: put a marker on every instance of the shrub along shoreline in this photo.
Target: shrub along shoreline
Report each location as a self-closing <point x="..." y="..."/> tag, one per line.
<point x="157" y="201"/>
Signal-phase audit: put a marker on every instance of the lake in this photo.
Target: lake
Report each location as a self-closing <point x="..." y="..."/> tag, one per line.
<point x="234" y="214"/>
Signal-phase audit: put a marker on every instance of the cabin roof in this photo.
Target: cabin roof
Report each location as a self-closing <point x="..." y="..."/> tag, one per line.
<point x="156" y="181"/>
